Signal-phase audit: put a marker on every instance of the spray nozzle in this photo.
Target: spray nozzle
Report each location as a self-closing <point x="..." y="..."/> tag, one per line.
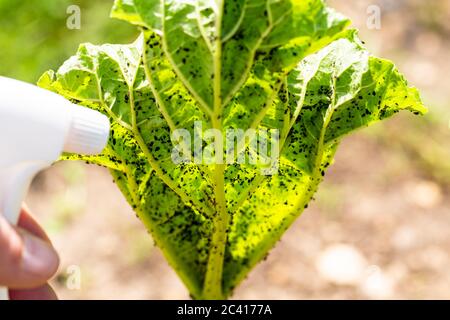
<point x="88" y="131"/>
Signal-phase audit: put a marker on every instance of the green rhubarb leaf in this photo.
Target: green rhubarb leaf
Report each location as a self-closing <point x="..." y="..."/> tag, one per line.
<point x="139" y="12"/>
<point x="139" y="150"/>
<point x="329" y="94"/>
<point x="285" y="75"/>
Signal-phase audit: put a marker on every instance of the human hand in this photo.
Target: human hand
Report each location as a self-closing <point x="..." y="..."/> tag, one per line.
<point x="27" y="259"/>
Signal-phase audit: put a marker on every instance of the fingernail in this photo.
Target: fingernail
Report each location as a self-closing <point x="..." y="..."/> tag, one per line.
<point x="39" y="257"/>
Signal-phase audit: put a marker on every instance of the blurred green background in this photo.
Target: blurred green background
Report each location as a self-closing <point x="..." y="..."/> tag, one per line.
<point x="34" y="36"/>
<point x="383" y="211"/>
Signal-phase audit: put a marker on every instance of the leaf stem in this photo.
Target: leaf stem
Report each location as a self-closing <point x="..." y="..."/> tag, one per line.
<point x="213" y="278"/>
<point x="214" y="271"/>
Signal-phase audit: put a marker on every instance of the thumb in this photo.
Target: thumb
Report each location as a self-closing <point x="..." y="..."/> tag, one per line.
<point x="26" y="261"/>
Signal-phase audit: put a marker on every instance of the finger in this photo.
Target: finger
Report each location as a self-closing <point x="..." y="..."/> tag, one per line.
<point x="25" y="260"/>
<point x="29" y="223"/>
<point x="44" y="292"/>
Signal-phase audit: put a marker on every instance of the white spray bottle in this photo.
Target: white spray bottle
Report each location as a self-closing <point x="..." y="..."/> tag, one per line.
<point x="36" y="126"/>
